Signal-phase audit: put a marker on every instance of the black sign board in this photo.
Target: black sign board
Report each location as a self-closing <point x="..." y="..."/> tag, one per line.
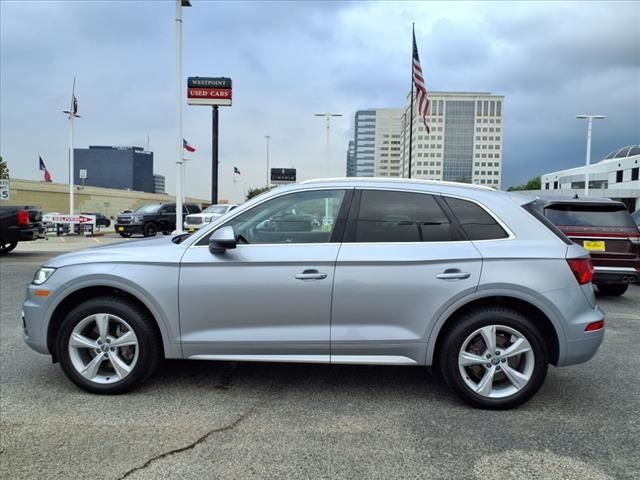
<point x="208" y="82"/>
<point x="283" y="175"/>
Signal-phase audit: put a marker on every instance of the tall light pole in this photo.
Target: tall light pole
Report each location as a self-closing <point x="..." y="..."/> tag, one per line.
<point x="72" y="113"/>
<point x="590" y="119"/>
<point x="328" y="116"/>
<point x="268" y="137"/>
<point x="179" y="5"/>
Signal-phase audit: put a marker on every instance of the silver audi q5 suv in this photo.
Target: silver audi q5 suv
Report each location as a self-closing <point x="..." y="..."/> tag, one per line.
<point x="463" y="278"/>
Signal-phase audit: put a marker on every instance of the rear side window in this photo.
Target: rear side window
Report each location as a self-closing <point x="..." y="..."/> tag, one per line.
<point x="589" y="215"/>
<point x="388" y="216"/>
<point x="535" y="209"/>
<point x="475" y="221"/>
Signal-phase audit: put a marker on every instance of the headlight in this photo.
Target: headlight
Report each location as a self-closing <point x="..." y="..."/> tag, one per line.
<point x="42" y="275"/>
<point x="136" y="219"/>
<point x="208" y="219"/>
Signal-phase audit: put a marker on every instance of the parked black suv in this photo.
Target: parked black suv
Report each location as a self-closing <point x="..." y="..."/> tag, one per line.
<point x="151" y="219"/>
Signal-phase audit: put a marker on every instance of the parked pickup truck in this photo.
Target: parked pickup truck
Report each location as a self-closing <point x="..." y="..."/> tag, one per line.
<point x="19" y="224"/>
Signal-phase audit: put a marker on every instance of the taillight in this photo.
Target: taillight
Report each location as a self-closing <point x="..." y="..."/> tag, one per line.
<point x="582" y="269"/>
<point x="594" y="326"/>
<point x="23" y="217"/>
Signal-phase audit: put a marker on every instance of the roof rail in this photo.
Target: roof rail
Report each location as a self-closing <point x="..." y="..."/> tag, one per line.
<point x="398" y="180"/>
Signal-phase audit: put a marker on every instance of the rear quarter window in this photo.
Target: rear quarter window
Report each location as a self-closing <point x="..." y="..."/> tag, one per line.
<point x="535" y="210"/>
<point x="475" y="220"/>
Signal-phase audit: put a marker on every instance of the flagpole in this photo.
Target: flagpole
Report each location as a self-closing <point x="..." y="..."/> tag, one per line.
<point x="413" y="30"/>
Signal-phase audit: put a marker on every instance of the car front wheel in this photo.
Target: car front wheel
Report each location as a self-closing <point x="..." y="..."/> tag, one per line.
<point x="107" y="345"/>
<point x="494" y="358"/>
<point x="150" y="230"/>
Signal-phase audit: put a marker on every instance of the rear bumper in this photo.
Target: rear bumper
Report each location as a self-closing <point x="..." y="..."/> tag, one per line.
<point x="616" y="275"/>
<point x="128" y="228"/>
<point x="17" y="234"/>
<point x="579" y="350"/>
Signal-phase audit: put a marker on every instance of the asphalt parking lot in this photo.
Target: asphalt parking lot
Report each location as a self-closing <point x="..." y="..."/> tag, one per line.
<point x="197" y="420"/>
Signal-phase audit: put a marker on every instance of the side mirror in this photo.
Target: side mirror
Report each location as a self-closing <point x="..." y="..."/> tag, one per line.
<point x="222" y="239"/>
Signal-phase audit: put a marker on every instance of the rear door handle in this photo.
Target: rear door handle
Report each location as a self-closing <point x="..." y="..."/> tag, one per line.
<point x="311" y="275"/>
<point x="453" y="274"/>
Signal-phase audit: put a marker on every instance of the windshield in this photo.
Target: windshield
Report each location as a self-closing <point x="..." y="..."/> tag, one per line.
<point x="220" y="209"/>
<point x="148" y="209"/>
<point x="589" y="215"/>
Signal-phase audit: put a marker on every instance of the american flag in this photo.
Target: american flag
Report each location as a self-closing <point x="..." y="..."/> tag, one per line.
<point x="418" y="80"/>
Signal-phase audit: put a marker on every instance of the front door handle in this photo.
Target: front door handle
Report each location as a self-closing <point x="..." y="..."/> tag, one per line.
<point x="311" y="275"/>
<point x="453" y="274"/>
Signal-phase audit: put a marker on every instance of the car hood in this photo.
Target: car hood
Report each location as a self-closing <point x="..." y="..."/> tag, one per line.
<point x="156" y="250"/>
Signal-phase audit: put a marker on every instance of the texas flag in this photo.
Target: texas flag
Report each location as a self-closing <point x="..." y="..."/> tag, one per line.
<point x="187" y="146"/>
<point x="43" y="168"/>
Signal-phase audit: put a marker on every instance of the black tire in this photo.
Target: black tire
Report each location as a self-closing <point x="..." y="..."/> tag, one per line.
<point x="149" y="345"/>
<point x="612" y="289"/>
<point x="125" y="235"/>
<point x="466" y="326"/>
<point x="150" y="230"/>
<point x="6" y="247"/>
<point x="166" y="233"/>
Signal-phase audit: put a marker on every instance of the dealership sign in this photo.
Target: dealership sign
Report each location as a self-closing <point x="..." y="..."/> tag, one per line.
<point x="283" y="175"/>
<point x="209" y="91"/>
<point x="79" y="219"/>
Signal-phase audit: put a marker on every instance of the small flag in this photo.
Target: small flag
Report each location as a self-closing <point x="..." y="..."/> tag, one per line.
<point x="418" y="80"/>
<point x="236" y="171"/>
<point x="74" y="102"/>
<point x="187" y="146"/>
<point x="43" y="168"/>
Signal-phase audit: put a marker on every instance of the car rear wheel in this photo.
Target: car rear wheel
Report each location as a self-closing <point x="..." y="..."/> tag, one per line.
<point x="150" y="230"/>
<point x="6" y="247"/>
<point x="494" y="358"/>
<point x="612" y="289"/>
<point x="107" y="345"/>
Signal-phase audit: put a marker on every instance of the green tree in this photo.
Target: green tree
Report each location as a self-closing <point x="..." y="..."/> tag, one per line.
<point x="4" y="169"/>
<point x="254" y="192"/>
<point x="533" y="184"/>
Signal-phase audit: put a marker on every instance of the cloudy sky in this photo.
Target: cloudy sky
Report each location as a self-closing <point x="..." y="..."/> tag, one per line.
<point x="289" y="60"/>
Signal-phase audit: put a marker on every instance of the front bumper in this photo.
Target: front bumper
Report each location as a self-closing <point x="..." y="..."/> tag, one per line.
<point x="616" y="275"/>
<point x="193" y="227"/>
<point x="130" y="228"/>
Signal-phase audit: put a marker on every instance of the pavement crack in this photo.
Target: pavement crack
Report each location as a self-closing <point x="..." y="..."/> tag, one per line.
<point x="193" y="444"/>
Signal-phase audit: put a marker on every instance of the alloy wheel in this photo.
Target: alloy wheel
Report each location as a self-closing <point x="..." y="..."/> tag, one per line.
<point x="496" y="361"/>
<point x="103" y="348"/>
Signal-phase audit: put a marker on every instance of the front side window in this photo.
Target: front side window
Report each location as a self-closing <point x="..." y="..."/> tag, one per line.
<point x="388" y="216"/>
<point x="301" y="217"/>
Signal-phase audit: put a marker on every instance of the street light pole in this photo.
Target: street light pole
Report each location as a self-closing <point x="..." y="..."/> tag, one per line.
<point x="328" y="116"/>
<point x="268" y="137"/>
<point x="72" y="113"/>
<point x="590" y="119"/>
<point x="179" y="145"/>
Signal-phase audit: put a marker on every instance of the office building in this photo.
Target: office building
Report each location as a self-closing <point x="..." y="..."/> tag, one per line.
<point x="351" y="159"/>
<point x="158" y="183"/>
<point x="616" y="176"/>
<point x="465" y="139"/>
<point x="376" y="141"/>
<point x="125" y="168"/>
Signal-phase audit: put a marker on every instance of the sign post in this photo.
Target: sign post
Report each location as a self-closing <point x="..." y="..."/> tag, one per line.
<point x="213" y="91"/>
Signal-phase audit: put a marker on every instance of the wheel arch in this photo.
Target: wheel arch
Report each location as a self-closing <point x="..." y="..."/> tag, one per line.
<point x="543" y="319"/>
<point x="74" y="298"/>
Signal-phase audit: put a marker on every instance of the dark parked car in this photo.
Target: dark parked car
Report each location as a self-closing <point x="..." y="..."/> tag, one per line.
<point x="19" y="224"/>
<point x="151" y="219"/>
<point x="101" y="220"/>
<point x="605" y="228"/>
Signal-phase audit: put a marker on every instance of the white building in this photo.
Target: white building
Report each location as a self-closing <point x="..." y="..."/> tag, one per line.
<point x="465" y="143"/>
<point x="376" y="144"/>
<point x="616" y="176"/>
<point x="158" y="183"/>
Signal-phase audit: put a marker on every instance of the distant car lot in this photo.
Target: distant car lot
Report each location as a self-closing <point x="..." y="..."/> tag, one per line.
<point x="282" y="420"/>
